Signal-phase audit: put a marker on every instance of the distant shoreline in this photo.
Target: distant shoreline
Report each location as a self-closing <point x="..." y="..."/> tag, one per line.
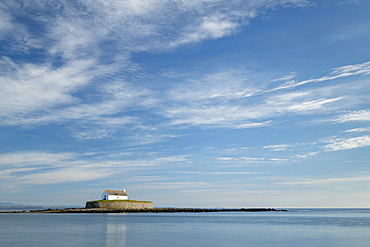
<point x="153" y="210"/>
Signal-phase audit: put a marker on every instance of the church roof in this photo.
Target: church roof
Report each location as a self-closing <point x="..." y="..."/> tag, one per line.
<point x="116" y="192"/>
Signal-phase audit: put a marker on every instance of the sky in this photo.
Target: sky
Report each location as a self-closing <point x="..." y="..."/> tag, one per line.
<point x="186" y="103"/>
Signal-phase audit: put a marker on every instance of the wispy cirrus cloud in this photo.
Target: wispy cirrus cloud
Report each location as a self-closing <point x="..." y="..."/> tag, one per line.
<point x="314" y="104"/>
<point x="23" y="168"/>
<point x="252" y="125"/>
<point x="243" y="111"/>
<point x="222" y="85"/>
<point x="29" y="88"/>
<point x="362" y="115"/>
<point x="350" y="143"/>
<point x="320" y="181"/>
<point x="337" y="73"/>
<point x="221" y="173"/>
<point x="366" y="129"/>
<point x="35" y="167"/>
<point x="74" y="81"/>
<point x="140" y="26"/>
<point x="278" y="147"/>
<point x="306" y="155"/>
<point x="233" y="98"/>
<point x="175" y="185"/>
<point x="288" y="77"/>
<point x="211" y="27"/>
<point x="21" y="159"/>
<point x="6" y="21"/>
<point x="85" y="43"/>
<point x="65" y="175"/>
<point x="251" y="160"/>
<point x="225" y="158"/>
<point x="146" y="178"/>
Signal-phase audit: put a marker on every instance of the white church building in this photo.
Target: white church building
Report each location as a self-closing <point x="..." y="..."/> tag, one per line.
<point x="114" y="195"/>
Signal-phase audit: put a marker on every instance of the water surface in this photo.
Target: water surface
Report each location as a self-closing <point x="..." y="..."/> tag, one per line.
<point x="310" y="227"/>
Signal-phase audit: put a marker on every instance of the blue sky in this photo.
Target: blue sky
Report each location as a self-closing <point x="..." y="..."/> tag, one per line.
<point x="186" y="103"/>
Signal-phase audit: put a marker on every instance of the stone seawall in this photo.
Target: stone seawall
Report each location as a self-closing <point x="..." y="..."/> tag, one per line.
<point x="124" y="205"/>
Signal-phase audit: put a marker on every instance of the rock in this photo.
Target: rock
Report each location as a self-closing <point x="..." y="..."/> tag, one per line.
<point x="120" y="204"/>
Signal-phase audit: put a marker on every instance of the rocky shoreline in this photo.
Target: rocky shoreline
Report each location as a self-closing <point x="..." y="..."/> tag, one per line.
<point x="153" y="210"/>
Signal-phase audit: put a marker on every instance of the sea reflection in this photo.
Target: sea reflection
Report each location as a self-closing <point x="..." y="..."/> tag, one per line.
<point x="116" y="232"/>
<point x="339" y="228"/>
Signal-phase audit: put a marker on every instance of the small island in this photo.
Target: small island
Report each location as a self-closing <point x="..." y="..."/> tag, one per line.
<point x="115" y="201"/>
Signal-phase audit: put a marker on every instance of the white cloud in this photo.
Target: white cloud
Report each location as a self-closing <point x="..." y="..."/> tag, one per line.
<point x="6" y="22"/>
<point x="278" y="159"/>
<point x="314" y="104"/>
<point x="217" y="26"/>
<point x="65" y="175"/>
<point x="278" y="147"/>
<point x="74" y="29"/>
<point x="146" y="178"/>
<point x="327" y="181"/>
<point x="37" y="95"/>
<point x="353" y="69"/>
<point x="253" y="159"/>
<point x="244" y="159"/>
<point x="306" y="155"/>
<point x="47" y="168"/>
<point x="23" y="168"/>
<point x="80" y="43"/>
<point x="89" y="41"/>
<point x="6" y="174"/>
<point x="234" y="114"/>
<point x="221" y="173"/>
<point x="28" y="88"/>
<point x="219" y="115"/>
<point x="222" y="85"/>
<point x="231" y="99"/>
<point x="367" y="129"/>
<point x="225" y="158"/>
<point x="337" y="73"/>
<point x="174" y="185"/>
<point x="252" y="125"/>
<point x="174" y="158"/>
<point x="211" y="27"/>
<point x="363" y="115"/>
<point x="23" y="159"/>
<point x="288" y="77"/>
<point x="351" y="143"/>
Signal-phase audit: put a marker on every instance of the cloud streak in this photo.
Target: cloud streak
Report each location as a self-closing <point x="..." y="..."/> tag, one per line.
<point x="350" y="143"/>
<point x="367" y="129"/>
<point x="278" y="147"/>
<point x="327" y="181"/>
<point x="27" y="168"/>
<point x="363" y="115"/>
<point x="337" y="73"/>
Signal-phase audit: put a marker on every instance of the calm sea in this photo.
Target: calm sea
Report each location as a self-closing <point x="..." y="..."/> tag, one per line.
<point x="310" y="227"/>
